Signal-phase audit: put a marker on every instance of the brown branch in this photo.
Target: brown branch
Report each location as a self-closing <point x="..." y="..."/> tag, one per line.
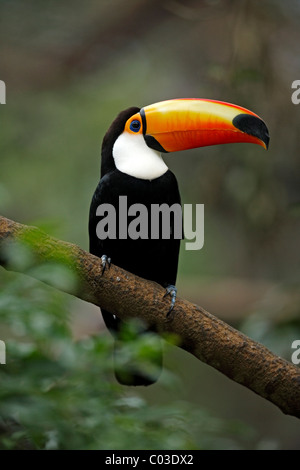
<point x="203" y="335"/>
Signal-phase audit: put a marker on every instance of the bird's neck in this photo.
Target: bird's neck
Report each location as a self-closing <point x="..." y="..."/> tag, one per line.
<point x="133" y="157"/>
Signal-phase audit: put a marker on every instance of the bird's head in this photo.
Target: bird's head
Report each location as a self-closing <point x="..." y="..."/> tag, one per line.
<point x="137" y="137"/>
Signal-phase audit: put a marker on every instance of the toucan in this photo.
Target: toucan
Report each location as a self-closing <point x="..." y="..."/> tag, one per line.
<point x="132" y="166"/>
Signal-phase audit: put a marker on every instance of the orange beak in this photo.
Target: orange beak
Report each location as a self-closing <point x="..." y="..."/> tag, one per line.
<point x="181" y="124"/>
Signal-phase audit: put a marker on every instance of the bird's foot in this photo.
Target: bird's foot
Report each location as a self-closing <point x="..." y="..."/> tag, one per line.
<point x="106" y="262"/>
<point x="172" y="291"/>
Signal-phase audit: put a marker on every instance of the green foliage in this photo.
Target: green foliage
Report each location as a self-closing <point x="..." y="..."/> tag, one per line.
<point x="59" y="394"/>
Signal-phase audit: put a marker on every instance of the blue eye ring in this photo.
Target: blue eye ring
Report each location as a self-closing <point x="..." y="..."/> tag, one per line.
<point x="135" y="125"/>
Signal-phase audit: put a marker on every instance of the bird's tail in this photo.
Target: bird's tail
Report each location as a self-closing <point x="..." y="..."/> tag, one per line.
<point x="140" y="368"/>
<point x="138" y="352"/>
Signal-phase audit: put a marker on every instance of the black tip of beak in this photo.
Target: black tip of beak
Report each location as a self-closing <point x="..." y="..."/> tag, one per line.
<point x="252" y="125"/>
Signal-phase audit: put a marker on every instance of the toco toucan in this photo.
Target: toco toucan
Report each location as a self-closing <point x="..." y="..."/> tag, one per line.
<point x="132" y="166"/>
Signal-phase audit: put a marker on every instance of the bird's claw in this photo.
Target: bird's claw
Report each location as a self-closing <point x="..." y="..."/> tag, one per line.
<point x="172" y="291"/>
<point x="106" y="262"/>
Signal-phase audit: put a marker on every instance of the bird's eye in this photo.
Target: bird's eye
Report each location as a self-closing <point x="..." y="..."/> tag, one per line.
<point x="135" y="125"/>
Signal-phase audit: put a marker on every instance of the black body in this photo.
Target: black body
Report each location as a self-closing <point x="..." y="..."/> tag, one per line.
<point x="154" y="260"/>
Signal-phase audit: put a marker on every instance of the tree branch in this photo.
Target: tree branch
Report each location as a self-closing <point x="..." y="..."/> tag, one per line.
<point x="203" y="335"/>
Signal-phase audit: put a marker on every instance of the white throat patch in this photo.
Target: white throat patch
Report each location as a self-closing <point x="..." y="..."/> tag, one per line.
<point x="133" y="157"/>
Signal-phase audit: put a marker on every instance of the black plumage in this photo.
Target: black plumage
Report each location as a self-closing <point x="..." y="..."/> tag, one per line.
<point x="154" y="260"/>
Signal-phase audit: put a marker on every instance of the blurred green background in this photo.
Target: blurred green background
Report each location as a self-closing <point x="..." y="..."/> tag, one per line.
<point x="69" y="68"/>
